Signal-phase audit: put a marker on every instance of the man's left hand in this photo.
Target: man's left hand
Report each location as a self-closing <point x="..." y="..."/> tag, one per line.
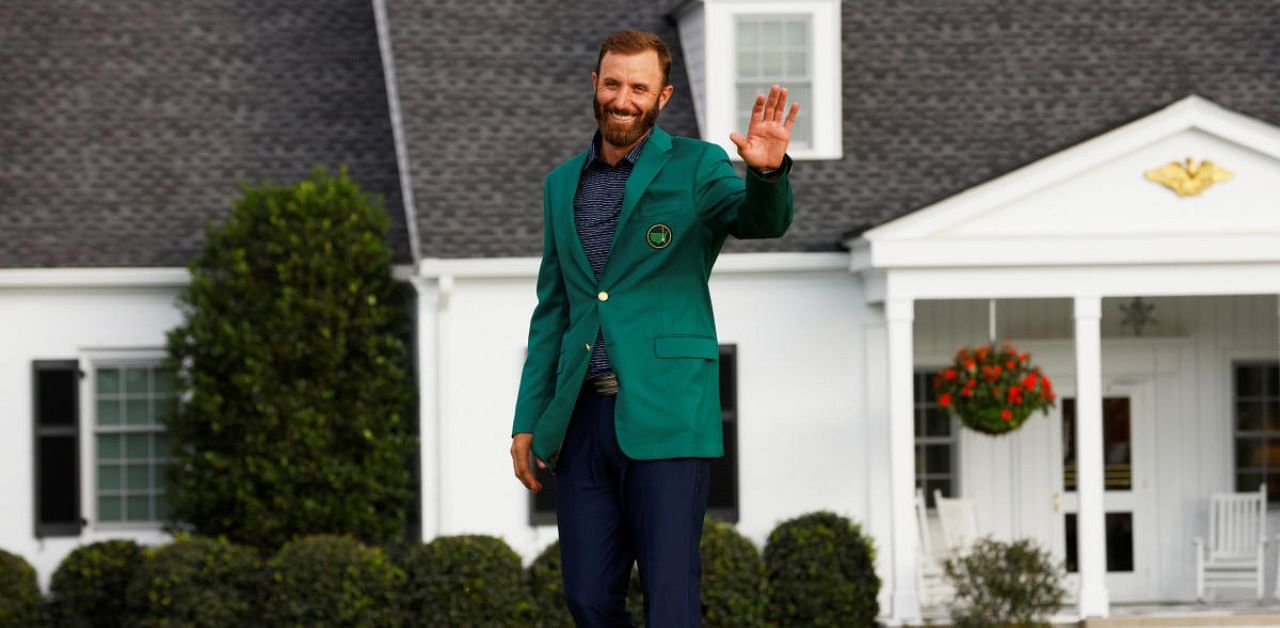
<point x="767" y="133"/>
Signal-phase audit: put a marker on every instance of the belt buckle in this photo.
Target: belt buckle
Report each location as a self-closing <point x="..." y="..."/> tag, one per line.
<point x="606" y="385"/>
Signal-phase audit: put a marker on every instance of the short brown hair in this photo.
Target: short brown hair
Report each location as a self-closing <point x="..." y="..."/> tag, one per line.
<point x="630" y="42"/>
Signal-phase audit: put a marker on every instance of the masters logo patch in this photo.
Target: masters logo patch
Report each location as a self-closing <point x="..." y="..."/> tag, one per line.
<point x="658" y="236"/>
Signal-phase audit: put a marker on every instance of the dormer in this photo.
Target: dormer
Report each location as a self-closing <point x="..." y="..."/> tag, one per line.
<point x="735" y="49"/>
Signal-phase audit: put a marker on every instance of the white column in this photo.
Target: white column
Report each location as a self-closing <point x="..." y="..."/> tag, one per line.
<point x="906" y="601"/>
<point x="877" y="470"/>
<point x="433" y="299"/>
<point x="1090" y="520"/>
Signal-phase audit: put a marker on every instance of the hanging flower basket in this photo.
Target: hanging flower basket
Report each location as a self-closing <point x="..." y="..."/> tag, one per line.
<point x="993" y="390"/>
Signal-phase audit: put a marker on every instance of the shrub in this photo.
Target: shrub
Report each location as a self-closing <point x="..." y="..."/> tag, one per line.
<point x="547" y="585"/>
<point x="1005" y="584"/>
<point x="20" y="603"/>
<point x="821" y="573"/>
<point x="90" y="585"/>
<point x="297" y="380"/>
<point x="195" y="582"/>
<point x="734" y="584"/>
<point x="469" y="580"/>
<point x="332" y="581"/>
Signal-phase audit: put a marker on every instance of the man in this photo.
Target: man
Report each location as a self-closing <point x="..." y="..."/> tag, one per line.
<point x="620" y="390"/>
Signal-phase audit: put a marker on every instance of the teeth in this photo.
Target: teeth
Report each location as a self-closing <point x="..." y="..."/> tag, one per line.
<point x="622" y="116"/>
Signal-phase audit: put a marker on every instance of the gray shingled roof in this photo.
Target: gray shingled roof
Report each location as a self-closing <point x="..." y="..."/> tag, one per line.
<point x="938" y="97"/>
<point x="125" y="126"/>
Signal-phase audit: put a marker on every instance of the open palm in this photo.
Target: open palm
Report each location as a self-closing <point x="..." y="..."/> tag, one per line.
<point x="767" y="133"/>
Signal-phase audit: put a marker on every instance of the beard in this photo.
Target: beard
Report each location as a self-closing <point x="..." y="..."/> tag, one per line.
<point x="624" y="134"/>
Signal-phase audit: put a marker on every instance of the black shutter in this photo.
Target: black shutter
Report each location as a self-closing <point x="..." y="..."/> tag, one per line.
<point x="56" y="404"/>
<point x="723" y="500"/>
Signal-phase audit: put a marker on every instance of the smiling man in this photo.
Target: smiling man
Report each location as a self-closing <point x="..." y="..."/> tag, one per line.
<point x="620" y="390"/>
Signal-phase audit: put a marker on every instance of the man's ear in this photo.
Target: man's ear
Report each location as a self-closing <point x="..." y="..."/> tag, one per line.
<point x="594" y="77"/>
<point x="664" y="96"/>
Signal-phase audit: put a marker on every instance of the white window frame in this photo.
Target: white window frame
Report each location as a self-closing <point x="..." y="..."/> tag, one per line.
<point x="90" y="362"/>
<point x="825" y="71"/>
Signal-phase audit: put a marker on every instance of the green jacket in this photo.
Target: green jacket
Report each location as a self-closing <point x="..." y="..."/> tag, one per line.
<point x="682" y="199"/>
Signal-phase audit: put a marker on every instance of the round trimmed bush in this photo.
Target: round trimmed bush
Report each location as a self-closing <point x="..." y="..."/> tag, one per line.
<point x="1005" y="584"/>
<point x="332" y="581"/>
<point x="195" y="582"/>
<point x="90" y="585"/>
<point x="467" y="580"/>
<point x="734" y="584"/>
<point x="547" y="585"/>
<point x="821" y="573"/>
<point x="20" y="603"/>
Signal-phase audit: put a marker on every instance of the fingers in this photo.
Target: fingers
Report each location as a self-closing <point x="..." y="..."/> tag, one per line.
<point x="541" y="464"/>
<point x="757" y="110"/>
<point x="520" y="463"/>
<point x="791" y="118"/>
<point x="771" y="105"/>
<point x="738" y="140"/>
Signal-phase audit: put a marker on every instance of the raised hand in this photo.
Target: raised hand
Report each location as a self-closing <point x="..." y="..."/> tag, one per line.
<point x="767" y="133"/>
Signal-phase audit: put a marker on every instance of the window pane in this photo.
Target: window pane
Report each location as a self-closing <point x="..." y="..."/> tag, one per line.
<point x="748" y="34"/>
<point x="1251" y="416"/>
<point x="1246" y="482"/>
<point x="138" y="478"/>
<point x="748" y="65"/>
<point x="162" y="508"/>
<point x="1119" y="541"/>
<point x="109" y="477"/>
<point x="920" y="460"/>
<point x="771" y="34"/>
<point x="108" y="412"/>
<point x="771" y="66"/>
<point x="135" y="381"/>
<point x="802" y="131"/>
<point x="1251" y="453"/>
<point x="796" y="65"/>
<point x="930" y="485"/>
<point x="109" y="508"/>
<point x="138" y="508"/>
<point x="57" y="396"/>
<point x="797" y="34"/>
<point x="137" y="411"/>
<point x="1249" y="381"/>
<point x="1273" y="414"/>
<point x="138" y="446"/>
<point x="161" y="446"/>
<point x="108" y="381"/>
<point x="938" y="458"/>
<point x="938" y="422"/>
<point x="108" y="446"/>
<point x="163" y="381"/>
<point x="162" y="478"/>
<point x="162" y="409"/>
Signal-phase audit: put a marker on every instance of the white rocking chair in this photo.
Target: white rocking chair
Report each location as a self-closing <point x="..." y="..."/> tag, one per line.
<point x="1233" y="555"/>
<point x="931" y="579"/>
<point x="959" y="519"/>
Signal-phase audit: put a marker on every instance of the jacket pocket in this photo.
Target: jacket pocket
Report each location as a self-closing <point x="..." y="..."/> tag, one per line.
<point x="647" y="211"/>
<point x="686" y="346"/>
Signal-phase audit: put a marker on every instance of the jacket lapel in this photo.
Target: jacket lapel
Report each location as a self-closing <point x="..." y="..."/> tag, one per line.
<point x="652" y="159"/>
<point x="568" y="191"/>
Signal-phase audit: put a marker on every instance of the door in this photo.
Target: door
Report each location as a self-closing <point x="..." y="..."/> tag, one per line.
<point x="1128" y="459"/>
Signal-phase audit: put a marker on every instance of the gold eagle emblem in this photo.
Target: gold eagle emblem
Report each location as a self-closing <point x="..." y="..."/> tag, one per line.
<point x="1188" y="179"/>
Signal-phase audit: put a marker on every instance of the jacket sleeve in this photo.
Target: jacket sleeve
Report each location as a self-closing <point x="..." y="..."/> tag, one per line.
<point x="755" y="208"/>
<point x="546" y="328"/>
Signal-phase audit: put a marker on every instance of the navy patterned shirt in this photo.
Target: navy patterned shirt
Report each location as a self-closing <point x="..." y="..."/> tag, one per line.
<point x="596" y="207"/>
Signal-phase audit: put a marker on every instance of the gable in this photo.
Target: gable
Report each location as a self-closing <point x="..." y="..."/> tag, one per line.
<point x="1097" y="196"/>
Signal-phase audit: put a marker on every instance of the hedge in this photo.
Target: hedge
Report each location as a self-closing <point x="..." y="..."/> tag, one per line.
<point x="20" y="603"/>
<point x="332" y="581"/>
<point x="195" y="582"/>
<point x="90" y="586"/>
<point x="469" y="580"/>
<point x="821" y="573"/>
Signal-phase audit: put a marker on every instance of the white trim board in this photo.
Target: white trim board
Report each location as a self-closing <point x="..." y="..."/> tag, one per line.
<point x="736" y="263"/>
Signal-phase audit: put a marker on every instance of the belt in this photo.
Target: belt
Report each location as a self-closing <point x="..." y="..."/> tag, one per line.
<point x="606" y="385"/>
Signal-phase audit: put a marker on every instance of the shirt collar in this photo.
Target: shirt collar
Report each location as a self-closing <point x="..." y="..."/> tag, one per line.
<point x="632" y="155"/>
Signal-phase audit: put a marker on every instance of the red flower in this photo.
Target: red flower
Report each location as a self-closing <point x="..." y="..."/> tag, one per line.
<point x="971" y="383"/>
<point x="1029" y="381"/>
<point x="967" y="392"/>
<point x="1014" y="392"/>
<point x="1006" y="414"/>
<point x="970" y="365"/>
<point x="997" y="370"/>
<point x="1024" y="357"/>
<point x="949" y="374"/>
<point x="944" y="400"/>
<point x="1010" y="365"/>
<point x="982" y="353"/>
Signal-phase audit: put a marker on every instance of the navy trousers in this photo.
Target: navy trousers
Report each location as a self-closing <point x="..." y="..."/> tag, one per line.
<point x="614" y="512"/>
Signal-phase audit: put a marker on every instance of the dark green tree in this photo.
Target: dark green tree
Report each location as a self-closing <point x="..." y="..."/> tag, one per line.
<point x="294" y="378"/>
